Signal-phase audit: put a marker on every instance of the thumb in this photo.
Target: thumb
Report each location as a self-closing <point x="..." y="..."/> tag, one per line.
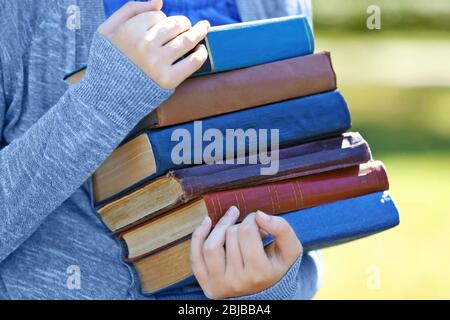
<point x="128" y="11"/>
<point x="287" y="247"/>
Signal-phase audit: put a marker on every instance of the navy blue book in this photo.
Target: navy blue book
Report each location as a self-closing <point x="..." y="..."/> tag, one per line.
<point x="156" y="152"/>
<point x="318" y="227"/>
<point x="344" y="221"/>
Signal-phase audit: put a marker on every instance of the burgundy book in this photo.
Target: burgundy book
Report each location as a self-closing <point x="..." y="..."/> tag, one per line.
<point x="272" y="198"/>
<point x="181" y="186"/>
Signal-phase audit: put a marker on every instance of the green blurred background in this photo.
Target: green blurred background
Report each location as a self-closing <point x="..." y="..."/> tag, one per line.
<point x="397" y="84"/>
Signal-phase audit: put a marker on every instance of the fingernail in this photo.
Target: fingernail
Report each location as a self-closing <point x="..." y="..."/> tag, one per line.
<point x="206" y="221"/>
<point x="264" y="216"/>
<point x="232" y="212"/>
<point x="264" y="234"/>
<point x="206" y="23"/>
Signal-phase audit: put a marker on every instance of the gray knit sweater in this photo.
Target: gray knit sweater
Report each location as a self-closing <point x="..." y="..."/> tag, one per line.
<point x="52" y="138"/>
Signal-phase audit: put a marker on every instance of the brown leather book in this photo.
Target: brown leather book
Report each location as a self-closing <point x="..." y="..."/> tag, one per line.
<point x="208" y="96"/>
<point x="212" y="95"/>
<point x="273" y="198"/>
<point x="181" y="186"/>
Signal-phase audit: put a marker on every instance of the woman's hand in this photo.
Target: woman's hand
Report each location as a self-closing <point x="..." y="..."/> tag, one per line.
<point x="154" y="42"/>
<point x="231" y="261"/>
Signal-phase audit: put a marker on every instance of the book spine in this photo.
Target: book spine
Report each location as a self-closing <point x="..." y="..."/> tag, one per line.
<point x="296" y="121"/>
<point x="300" y="193"/>
<point x="241" y="45"/>
<point x="226" y="92"/>
<point x="303" y="160"/>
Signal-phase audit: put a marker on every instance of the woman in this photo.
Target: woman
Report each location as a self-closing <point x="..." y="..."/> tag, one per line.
<point x="53" y="137"/>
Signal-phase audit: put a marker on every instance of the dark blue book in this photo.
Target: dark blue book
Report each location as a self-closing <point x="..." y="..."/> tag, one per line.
<point x="157" y="152"/>
<point x="246" y="44"/>
<point x="318" y="227"/>
<point x="343" y="221"/>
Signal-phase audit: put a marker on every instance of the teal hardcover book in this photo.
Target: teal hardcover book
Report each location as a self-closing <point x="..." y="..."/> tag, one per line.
<point x="246" y="44"/>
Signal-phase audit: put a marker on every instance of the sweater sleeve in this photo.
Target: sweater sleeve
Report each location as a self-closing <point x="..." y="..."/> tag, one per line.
<point x="301" y="282"/>
<point x="44" y="167"/>
<point x="2" y="105"/>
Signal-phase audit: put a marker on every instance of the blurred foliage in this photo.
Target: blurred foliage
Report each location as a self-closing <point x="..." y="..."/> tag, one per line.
<point x="402" y="120"/>
<point x="397" y="85"/>
<point x="397" y="15"/>
<point x="409" y="130"/>
<point x="410" y="261"/>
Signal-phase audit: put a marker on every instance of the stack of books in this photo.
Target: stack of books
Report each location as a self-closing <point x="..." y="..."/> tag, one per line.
<point x="159" y="185"/>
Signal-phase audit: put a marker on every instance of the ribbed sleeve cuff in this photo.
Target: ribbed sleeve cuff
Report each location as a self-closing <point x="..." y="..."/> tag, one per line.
<point x="116" y="87"/>
<point x="284" y="289"/>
